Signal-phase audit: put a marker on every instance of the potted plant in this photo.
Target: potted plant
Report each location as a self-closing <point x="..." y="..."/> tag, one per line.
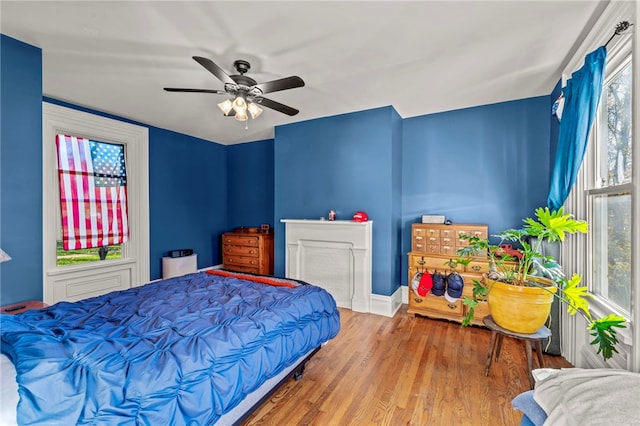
<point x="526" y="270"/>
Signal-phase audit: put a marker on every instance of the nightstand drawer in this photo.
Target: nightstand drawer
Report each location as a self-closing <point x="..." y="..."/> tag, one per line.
<point x="241" y="250"/>
<point x="241" y="260"/>
<point x="241" y="240"/>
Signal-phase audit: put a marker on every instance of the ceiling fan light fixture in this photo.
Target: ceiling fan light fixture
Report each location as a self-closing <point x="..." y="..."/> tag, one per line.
<point x="225" y="106"/>
<point x="239" y="104"/>
<point x="254" y="110"/>
<point x="241" y="115"/>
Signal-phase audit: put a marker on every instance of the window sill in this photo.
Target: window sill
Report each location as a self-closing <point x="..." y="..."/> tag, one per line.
<point x="90" y="266"/>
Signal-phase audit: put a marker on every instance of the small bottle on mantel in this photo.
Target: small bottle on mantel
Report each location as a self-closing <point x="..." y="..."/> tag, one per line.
<point x="332" y="215"/>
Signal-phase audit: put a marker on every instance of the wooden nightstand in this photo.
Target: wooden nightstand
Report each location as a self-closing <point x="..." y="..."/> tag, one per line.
<point x="18" y="308"/>
<point x="248" y="250"/>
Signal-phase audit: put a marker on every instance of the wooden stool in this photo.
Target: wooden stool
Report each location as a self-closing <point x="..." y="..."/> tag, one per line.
<point x="497" y="333"/>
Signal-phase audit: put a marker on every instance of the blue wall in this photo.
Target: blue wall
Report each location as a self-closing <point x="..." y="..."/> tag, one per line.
<point x="346" y="163"/>
<point x="20" y="170"/>
<point x="487" y="164"/>
<point x="250" y="178"/>
<point x="187" y="197"/>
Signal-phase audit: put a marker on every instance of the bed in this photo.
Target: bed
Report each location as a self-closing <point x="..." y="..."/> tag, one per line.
<point x="581" y="397"/>
<point x="204" y="348"/>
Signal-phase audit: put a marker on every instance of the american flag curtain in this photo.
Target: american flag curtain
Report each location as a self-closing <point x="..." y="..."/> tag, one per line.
<point x="93" y="193"/>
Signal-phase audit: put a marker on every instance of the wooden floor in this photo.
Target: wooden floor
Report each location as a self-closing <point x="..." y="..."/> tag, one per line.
<point x="403" y="371"/>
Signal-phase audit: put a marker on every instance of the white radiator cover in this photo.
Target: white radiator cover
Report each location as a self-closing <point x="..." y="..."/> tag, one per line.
<point x="334" y="255"/>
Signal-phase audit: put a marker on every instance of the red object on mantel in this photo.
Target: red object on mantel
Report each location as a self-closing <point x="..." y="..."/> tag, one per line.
<point x="18" y="308"/>
<point x="360" y="217"/>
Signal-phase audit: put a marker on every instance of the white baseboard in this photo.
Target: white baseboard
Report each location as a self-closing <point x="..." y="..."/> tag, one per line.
<point x="386" y="305"/>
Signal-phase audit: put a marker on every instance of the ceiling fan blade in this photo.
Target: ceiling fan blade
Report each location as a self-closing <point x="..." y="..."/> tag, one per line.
<point x="281" y="84"/>
<point x="175" y="89"/>
<point x="214" y="69"/>
<point x="277" y="106"/>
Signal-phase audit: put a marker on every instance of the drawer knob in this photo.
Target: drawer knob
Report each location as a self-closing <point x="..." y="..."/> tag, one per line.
<point x="452" y="306"/>
<point x="476" y="268"/>
<point x="418" y="300"/>
<point x="418" y="237"/>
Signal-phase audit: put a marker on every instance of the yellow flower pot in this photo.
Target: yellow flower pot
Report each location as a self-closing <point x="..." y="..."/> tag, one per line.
<point x="519" y="308"/>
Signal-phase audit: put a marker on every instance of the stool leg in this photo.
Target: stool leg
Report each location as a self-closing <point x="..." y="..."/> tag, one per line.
<point x="492" y="343"/>
<point x="499" y="346"/>
<point x="527" y="347"/>
<point x="539" y="353"/>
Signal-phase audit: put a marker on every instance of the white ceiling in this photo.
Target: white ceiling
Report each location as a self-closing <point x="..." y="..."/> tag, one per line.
<point x="420" y="57"/>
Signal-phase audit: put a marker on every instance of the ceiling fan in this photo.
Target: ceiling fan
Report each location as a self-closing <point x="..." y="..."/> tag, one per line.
<point x="247" y="94"/>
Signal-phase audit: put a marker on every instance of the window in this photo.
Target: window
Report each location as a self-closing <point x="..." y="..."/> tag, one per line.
<point x="609" y="194"/>
<point x="93" y="200"/>
<point x="131" y="268"/>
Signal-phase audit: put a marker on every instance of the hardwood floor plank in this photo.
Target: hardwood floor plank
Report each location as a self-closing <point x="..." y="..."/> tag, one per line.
<point x="403" y="371"/>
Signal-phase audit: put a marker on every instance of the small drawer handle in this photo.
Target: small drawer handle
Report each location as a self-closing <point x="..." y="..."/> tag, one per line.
<point x="417" y="300"/>
<point x="476" y="268"/>
<point x="418" y="237"/>
<point x="452" y="306"/>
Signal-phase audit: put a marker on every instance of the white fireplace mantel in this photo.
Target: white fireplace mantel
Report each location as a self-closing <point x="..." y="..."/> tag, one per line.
<point x="334" y="255"/>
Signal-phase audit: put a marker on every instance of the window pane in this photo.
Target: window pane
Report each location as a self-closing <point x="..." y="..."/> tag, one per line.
<point x="615" y="140"/>
<point x="74" y="257"/>
<point x="611" y="233"/>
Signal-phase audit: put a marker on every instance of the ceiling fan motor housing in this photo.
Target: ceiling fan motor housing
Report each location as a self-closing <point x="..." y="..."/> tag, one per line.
<point x="241" y="66"/>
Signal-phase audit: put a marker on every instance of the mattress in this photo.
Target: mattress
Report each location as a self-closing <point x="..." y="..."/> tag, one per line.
<point x="188" y="349"/>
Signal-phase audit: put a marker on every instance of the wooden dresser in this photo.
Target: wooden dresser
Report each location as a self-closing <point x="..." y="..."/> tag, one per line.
<point x="248" y="250"/>
<point x="432" y="247"/>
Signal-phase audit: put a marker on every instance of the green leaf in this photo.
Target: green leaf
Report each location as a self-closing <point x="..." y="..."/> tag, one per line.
<point x="577" y="297"/>
<point x="471" y="304"/>
<point x="605" y="335"/>
<point x="553" y="225"/>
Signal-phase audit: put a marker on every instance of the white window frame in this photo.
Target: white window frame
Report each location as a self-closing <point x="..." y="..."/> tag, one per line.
<point x="576" y="253"/>
<point x="592" y="168"/>
<point x="135" y="255"/>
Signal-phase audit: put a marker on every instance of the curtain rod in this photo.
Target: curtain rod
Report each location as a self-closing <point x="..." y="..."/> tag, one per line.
<point x="620" y="28"/>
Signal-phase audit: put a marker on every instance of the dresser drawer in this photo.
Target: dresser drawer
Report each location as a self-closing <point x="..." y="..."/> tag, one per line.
<point x="241" y="250"/>
<point x="436" y="304"/>
<point x="480" y="232"/>
<point x="240" y="260"/>
<point x="479" y="267"/>
<point x="419" y="243"/>
<point x="246" y="269"/>
<point x="481" y="311"/>
<point x="440" y="264"/>
<point x="241" y="240"/>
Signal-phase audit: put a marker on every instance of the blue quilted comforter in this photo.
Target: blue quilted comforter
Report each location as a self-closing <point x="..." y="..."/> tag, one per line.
<point x="181" y="351"/>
